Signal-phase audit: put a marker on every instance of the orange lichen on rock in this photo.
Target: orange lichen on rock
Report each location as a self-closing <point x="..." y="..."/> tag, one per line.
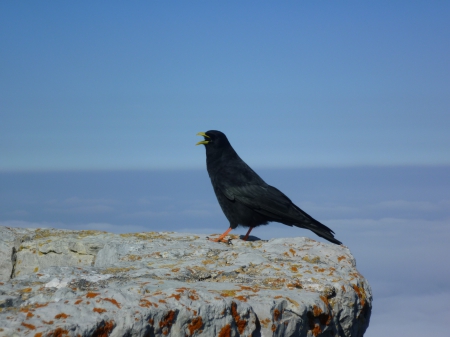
<point x="340" y="258"/>
<point x="145" y="303"/>
<point x="276" y="314"/>
<point x="92" y="295"/>
<point x="29" y="326"/>
<point x="245" y="287"/>
<point x="26" y="290"/>
<point x="324" y="318"/>
<point x="78" y="301"/>
<point x="316" y="311"/>
<point x="265" y="322"/>
<point x="58" y="332"/>
<point x="294" y="284"/>
<point x="104" y="330"/>
<point x="181" y="290"/>
<point x="240" y="323"/>
<point x="241" y="298"/>
<point x="316" y="330"/>
<point x="193" y="295"/>
<point x="278" y="296"/>
<point x="196" y="324"/>
<point x="175" y="296"/>
<point x="255" y="290"/>
<point x="99" y="310"/>
<point x="225" y="331"/>
<point x="294" y="269"/>
<point x="47" y="322"/>
<point x="318" y="314"/>
<point x="361" y="294"/>
<point x="162" y="301"/>
<point x="37" y="305"/>
<point x="228" y="293"/>
<point x="39" y="334"/>
<point x="175" y="270"/>
<point x="29" y="315"/>
<point x="315" y="259"/>
<point x="325" y="300"/>
<point x="113" y="301"/>
<point x="292" y="251"/>
<point x="61" y="315"/>
<point x="167" y="322"/>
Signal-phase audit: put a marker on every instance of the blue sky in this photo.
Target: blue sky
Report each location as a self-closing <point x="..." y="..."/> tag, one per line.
<point x="344" y="106"/>
<point x="90" y="85"/>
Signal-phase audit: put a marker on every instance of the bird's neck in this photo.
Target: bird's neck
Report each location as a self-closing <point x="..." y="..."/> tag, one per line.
<point x="217" y="159"/>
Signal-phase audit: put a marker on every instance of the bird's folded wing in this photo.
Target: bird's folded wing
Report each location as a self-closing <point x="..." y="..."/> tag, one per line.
<point x="270" y="202"/>
<point x="266" y="200"/>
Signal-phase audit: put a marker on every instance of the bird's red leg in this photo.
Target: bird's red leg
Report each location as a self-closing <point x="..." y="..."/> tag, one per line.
<point x="219" y="239"/>
<point x="248" y="233"/>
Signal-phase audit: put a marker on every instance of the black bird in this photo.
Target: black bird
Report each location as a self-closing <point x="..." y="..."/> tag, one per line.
<point x="245" y="198"/>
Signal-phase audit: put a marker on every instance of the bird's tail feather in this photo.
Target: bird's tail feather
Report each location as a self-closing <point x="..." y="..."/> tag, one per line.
<point x="317" y="227"/>
<point x="320" y="229"/>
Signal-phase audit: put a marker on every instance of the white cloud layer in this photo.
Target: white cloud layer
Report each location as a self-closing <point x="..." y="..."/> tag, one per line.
<point x="411" y="315"/>
<point x="396" y="222"/>
<point x="99" y="226"/>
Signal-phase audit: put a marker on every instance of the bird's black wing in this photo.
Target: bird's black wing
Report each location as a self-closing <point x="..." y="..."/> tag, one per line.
<point x="266" y="200"/>
<point x="272" y="203"/>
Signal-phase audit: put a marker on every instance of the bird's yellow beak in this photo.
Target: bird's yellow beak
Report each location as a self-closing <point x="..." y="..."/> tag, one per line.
<point x="203" y="141"/>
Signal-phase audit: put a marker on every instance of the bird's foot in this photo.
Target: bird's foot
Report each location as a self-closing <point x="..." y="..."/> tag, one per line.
<point x="220" y="239"/>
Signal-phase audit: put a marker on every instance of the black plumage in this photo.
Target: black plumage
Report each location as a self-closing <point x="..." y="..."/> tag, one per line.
<point x="245" y="198"/>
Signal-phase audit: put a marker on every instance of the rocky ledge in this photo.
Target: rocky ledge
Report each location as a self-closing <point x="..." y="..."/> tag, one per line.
<point x="89" y="283"/>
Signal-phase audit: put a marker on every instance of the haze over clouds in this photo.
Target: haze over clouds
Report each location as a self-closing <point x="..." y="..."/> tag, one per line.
<point x="342" y="106"/>
<point x="394" y="220"/>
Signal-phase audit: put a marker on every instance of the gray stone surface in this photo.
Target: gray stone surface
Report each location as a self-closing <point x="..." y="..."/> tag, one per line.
<point x="10" y="240"/>
<point x="89" y="283"/>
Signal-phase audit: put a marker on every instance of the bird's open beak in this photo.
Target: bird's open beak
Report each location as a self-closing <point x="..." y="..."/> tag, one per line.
<point x="203" y="141"/>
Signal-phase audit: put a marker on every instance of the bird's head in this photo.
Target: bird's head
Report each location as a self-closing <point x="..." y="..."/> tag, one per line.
<point x="213" y="139"/>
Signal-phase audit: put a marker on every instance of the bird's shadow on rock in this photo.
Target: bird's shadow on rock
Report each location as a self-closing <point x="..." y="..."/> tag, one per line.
<point x="250" y="238"/>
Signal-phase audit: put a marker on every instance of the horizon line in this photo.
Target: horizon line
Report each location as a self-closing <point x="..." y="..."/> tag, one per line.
<point x="192" y="168"/>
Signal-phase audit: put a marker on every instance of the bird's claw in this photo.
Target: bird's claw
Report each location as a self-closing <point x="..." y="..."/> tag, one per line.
<point x="223" y="240"/>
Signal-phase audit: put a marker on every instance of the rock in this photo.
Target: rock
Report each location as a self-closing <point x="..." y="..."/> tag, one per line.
<point x="89" y="283"/>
